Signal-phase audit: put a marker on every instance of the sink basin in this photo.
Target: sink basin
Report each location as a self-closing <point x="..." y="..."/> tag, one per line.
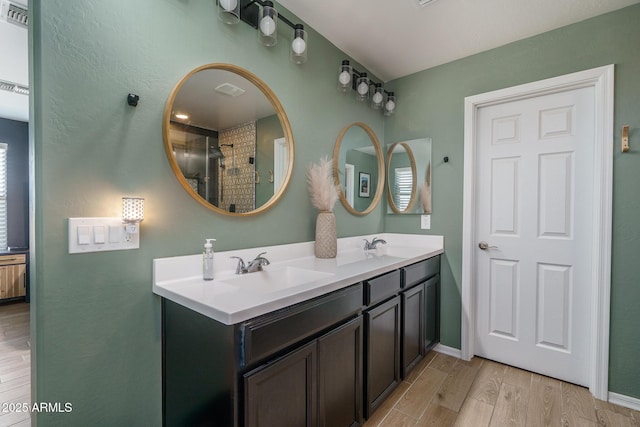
<point x="275" y="280"/>
<point x="373" y="256"/>
<point x="395" y="251"/>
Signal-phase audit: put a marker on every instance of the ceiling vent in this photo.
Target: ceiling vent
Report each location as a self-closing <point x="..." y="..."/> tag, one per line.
<point x="14" y="87"/>
<point x="229" y="89"/>
<point x="15" y="13"/>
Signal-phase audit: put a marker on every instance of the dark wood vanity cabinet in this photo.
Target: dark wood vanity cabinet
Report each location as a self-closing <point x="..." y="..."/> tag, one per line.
<point x="329" y="362"/>
<point x="274" y="370"/>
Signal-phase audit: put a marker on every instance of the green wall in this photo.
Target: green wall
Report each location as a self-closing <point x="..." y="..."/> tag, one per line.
<point x="96" y="322"/>
<point x="430" y="103"/>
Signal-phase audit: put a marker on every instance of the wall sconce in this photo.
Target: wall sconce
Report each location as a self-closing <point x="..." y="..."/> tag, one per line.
<point x="268" y="24"/>
<point x="132" y="213"/>
<point x="377" y="97"/>
<point x="390" y="105"/>
<point x="263" y="16"/>
<point x="229" y="11"/>
<point x="350" y="78"/>
<point x="362" y="87"/>
<point x="344" y="76"/>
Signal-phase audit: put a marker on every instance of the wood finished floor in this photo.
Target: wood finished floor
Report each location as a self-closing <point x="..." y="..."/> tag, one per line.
<point x="444" y="391"/>
<point x="15" y="362"/>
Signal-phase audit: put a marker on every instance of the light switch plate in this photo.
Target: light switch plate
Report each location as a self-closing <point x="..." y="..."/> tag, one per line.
<point x="425" y="222"/>
<point x="96" y="229"/>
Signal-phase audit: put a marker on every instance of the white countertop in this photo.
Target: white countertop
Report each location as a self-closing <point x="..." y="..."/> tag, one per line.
<point x="294" y="275"/>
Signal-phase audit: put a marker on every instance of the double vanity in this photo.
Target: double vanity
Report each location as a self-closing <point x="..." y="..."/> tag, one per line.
<point x="307" y="341"/>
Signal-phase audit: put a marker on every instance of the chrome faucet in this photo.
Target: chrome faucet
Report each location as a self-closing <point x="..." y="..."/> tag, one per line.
<point x="374" y="242"/>
<point x="257" y="263"/>
<point x="252" y="266"/>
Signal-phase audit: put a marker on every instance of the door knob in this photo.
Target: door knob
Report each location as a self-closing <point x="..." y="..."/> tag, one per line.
<point x="484" y="246"/>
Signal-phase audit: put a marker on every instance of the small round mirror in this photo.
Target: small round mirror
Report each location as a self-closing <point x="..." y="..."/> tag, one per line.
<point x="228" y="140"/>
<point x="358" y="167"/>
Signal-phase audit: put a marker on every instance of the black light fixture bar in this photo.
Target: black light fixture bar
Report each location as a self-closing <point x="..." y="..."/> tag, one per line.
<point x="250" y="11"/>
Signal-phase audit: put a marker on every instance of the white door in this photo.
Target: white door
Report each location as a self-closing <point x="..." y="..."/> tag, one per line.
<point x="534" y="211"/>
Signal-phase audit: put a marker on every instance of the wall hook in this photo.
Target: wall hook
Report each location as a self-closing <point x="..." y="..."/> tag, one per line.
<point x="625" y="139"/>
<point x="132" y="99"/>
<point x="446" y="159"/>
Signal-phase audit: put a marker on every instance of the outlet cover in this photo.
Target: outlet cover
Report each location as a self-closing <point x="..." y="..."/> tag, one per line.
<point x="425" y="222"/>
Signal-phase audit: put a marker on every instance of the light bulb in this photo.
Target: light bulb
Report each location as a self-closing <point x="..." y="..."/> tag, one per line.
<point x="390" y="106"/>
<point x="377" y="97"/>
<point x="267" y="25"/>
<point x="344" y="78"/>
<point x="298" y="45"/>
<point x="363" y="88"/>
<point x="229" y="5"/>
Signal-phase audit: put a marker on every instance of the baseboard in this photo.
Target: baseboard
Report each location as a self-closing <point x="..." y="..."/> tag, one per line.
<point x="450" y="351"/>
<point x="626" y="401"/>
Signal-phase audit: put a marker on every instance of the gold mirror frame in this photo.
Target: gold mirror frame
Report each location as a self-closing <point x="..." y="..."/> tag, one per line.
<point x="414" y="178"/>
<point x="380" y="162"/>
<point x="282" y="117"/>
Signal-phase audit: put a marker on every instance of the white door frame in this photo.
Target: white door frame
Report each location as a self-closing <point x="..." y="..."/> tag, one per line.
<point x="601" y="79"/>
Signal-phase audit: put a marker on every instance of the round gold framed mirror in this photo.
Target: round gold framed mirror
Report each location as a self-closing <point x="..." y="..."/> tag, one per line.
<point x="358" y="168"/>
<point x="228" y="140"/>
<point x="402" y="182"/>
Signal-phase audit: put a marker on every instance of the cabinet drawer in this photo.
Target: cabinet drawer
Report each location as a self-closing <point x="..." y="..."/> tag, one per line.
<point x="268" y="334"/>
<point x="13" y="259"/>
<point x="420" y="271"/>
<point x="381" y="287"/>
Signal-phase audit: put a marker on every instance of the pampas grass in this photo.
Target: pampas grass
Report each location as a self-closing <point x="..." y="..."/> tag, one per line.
<point x="322" y="188"/>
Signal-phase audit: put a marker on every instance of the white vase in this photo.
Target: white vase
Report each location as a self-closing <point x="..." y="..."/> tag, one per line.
<point x="326" y="240"/>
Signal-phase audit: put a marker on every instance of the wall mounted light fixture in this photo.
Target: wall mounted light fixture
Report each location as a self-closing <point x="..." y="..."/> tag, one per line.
<point x="263" y="16"/>
<point x="132" y="213"/>
<point x="350" y="78"/>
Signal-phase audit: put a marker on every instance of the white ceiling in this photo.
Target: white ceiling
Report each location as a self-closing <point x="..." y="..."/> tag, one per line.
<point x="394" y="38"/>
<point x="391" y="38"/>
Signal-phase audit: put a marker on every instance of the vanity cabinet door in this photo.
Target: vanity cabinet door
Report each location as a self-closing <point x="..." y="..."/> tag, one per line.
<point x="283" y="393"/>
<point x="432" y="312"/>
<point x="340" y="376"/>
<point x="382" y="370"/>
<point x="413" y="315"/>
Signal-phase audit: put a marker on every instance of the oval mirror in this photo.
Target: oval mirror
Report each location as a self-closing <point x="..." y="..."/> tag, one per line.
<point x="228" y="140"/>
<point x="401" y="178"/>
<point x="409" y="177"/>
<point x="358" y="168"/>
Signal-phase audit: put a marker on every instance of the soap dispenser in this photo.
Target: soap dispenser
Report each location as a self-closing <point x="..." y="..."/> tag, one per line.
<point x="207" y="260"/>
